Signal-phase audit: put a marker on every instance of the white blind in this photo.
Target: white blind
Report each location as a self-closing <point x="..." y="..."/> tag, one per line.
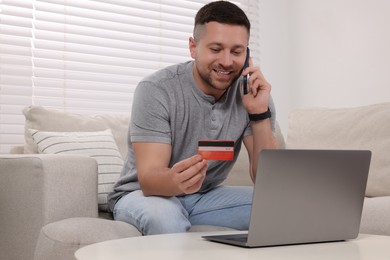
<point x="87" y="56"/>
<point x="15" y="70"/>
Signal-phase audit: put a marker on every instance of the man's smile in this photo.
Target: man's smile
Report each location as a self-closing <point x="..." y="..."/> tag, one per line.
<point x="223" y="74"/>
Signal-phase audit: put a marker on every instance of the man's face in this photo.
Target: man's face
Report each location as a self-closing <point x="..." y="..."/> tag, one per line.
<point x="219" y="56"/>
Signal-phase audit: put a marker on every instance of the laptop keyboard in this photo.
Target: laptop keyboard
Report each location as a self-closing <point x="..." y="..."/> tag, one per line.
<point x="239" y="238"/>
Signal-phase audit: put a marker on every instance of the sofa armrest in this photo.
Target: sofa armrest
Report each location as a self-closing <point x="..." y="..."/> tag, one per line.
<point x="37" y="189"/>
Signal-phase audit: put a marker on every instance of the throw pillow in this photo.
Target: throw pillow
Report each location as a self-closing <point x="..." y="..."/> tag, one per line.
<point x="47" y="119"/>
<point x="99" y="145"/>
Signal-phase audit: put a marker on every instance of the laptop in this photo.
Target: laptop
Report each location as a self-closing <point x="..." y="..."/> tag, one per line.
<point x="305" y="196"/>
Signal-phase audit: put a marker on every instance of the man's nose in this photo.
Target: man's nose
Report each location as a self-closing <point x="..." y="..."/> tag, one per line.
<point x="226" y="59"/>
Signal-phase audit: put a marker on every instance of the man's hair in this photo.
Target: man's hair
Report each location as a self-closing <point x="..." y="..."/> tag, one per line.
<point x="221" y="12"/>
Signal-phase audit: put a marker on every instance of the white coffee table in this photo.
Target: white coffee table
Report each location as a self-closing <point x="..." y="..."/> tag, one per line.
<point x="190" y="246"/>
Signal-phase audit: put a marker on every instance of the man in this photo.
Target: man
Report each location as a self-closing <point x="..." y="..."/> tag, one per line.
<point x="165" y="187"/>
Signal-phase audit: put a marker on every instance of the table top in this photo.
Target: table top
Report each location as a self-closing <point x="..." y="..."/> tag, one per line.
<point x="192" y="246"/>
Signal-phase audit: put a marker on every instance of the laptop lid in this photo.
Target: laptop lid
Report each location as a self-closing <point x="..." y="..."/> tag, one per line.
<point x="307" y="196"/>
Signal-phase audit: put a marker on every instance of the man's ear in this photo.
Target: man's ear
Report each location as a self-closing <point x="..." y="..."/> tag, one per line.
<point x="192" y="47"/>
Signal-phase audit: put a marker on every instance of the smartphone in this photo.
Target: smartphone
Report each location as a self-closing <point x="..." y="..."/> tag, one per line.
<point x="245" y="78"/>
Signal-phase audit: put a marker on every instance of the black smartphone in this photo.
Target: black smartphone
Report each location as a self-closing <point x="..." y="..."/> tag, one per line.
<point x="245" y="78"/>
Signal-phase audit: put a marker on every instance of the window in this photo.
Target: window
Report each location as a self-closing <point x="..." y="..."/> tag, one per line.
<point x="87" y="56"/>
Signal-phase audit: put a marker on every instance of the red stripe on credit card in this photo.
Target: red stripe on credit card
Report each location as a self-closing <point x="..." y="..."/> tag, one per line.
<point x="216" y="149"/>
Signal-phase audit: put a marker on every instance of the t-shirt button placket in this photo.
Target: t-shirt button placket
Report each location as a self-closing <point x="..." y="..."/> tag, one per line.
<point x="213" y="117"/>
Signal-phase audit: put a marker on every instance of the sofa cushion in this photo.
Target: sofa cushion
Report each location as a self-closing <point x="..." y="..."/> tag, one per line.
<point x="375" y="216"/>
<point x="366" y="127"/>
<point x="99" y="145"/>
<point x="46" y="119"/>
<point x="61" y="239"/>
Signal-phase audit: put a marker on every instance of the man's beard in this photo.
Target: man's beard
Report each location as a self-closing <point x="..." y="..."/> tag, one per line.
<point x="207" y="78"/>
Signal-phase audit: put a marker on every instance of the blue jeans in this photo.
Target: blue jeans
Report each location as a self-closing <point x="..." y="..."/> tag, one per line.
<point x="227" y="206"/>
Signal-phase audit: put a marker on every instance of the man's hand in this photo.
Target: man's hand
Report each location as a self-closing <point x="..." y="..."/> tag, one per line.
<point x="189" y="174"/>
<point x="157" y="179"/>
<point x="256" y="101"/>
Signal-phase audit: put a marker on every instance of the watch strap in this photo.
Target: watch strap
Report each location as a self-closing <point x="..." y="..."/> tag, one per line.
<point x="259" y="117"/>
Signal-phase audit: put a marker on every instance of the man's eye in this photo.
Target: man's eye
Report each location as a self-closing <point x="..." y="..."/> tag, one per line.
<point x="215" y="50"/>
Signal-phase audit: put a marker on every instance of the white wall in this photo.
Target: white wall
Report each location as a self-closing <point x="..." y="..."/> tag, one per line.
<point x="333" y="53"/>
<point x="275" y="53"/>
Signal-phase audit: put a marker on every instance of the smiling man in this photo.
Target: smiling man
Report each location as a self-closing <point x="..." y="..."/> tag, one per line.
<point x="165" y="185"/>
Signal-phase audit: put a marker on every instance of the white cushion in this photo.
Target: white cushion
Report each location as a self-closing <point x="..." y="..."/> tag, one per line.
<point x="46" y="119"/>
<point x="366" y="127"/>
<point x="99" y="145"/>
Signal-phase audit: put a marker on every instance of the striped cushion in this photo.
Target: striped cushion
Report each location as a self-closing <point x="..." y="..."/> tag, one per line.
<point x="99" y="145"/>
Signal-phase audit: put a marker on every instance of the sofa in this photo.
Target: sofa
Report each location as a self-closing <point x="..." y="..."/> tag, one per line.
<point x="54" y="201"/>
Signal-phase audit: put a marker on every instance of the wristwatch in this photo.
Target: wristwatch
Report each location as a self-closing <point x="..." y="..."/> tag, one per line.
<point x="259" y="117"/>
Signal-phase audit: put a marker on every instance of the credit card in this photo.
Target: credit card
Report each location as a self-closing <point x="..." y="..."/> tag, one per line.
<point x="221" y="150"/>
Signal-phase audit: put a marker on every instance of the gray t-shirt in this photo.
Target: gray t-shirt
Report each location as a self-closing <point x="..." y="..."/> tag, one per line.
<point x="170" y="108"/>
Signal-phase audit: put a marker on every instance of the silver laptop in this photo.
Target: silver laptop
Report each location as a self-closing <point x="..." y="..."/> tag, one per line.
<point x="305" y="196"/>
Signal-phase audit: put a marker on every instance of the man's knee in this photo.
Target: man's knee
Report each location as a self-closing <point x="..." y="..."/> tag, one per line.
<point x="152" y="215"/>
<point x="164" y="221"/>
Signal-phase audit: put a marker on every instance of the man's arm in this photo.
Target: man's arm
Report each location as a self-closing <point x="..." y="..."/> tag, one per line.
<point x="156" y="178"/>
<point x="262" y="138"/>
<point x="257" y="102"/>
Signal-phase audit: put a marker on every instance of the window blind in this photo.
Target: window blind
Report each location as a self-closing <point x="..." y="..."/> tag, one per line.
<point x="87" y="56"/>
<point x="15" y="70"/>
